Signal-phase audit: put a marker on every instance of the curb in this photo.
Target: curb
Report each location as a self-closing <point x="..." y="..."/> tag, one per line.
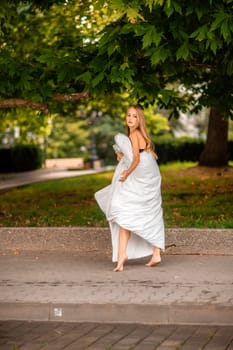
<point x="190" y="314"/>
<point x="183" y="240"/>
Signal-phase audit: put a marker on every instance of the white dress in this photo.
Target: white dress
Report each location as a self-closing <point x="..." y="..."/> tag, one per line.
<point x="134" y="204"/>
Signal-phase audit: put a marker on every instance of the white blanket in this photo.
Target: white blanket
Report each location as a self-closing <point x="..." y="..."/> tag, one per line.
<point x="134" y="204"/>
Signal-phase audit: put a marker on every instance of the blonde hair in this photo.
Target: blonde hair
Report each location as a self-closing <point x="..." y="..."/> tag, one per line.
<point x="142" y="128"/>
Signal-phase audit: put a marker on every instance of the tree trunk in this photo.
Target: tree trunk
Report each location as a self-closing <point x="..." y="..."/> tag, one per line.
<point x="215" y="152"/>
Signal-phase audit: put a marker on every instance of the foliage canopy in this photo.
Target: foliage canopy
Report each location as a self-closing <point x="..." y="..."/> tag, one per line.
<point x="150" y="49"/>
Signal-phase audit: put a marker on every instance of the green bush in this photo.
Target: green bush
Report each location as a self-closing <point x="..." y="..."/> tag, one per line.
<point x="26" y="157"/>
<point x="20" y="158"/>
<point x="169" y="149"/>
<point x="5" y="160"/>
<point x="182" y="149"/>
<point x="178" y="149"/>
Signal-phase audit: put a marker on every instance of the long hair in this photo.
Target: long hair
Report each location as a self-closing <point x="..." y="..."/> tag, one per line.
<point x="142" y="128"/>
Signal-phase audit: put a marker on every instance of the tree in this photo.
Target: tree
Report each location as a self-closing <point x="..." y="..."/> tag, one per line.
<point x="63" y="142"/>
<point x="216" y="150"/>
<point x="24" y="126"/>
<point x="171" y="52"/>
<point x="156" y="47"/>
<point x="42" y="54"/>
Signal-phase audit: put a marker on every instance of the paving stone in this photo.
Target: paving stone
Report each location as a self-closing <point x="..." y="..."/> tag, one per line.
<point x="200" y="338"/>
<point x="93" y="336"/>
<point x="230" y="347"/>
<point x="72" y="335"/>
<point x="178" y="337"/>
<point x="156" y="337"/>
<point x="117" y="333"/>
<point x="221" y="339"/>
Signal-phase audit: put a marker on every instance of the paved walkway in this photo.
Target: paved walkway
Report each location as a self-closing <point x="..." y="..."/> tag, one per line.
<point x="81" y="286"/>
<point x="92" y="336"/>
<point x="12" y="180"/>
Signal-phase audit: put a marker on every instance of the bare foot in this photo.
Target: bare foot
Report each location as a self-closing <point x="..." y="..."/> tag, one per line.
<point x="154" y="262"/>
<point x="120" y="264"/>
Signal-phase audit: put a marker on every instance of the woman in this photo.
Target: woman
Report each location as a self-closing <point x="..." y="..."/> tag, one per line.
<point x="132" y="203"/>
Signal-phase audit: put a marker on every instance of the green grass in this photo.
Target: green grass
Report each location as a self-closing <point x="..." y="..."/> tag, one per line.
<point x="189" y="200"/>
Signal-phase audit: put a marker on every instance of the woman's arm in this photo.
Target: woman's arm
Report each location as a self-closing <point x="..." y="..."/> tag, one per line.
<point x="136" y="157"/>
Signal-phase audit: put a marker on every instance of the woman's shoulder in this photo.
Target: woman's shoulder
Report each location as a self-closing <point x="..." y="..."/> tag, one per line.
<point x="136" y="134"/>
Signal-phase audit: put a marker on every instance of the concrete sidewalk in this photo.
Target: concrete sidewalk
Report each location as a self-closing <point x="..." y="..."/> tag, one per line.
<point x="69" y="277"/>
<point x="12" y="180"/>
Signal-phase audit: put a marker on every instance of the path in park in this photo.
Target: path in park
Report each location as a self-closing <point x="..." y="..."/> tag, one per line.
<point x="12" y="180"/>
<point x="58" y="291"/>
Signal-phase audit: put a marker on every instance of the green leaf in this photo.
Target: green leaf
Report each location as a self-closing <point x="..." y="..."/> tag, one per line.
<point x="230" y="67"/>
<point x="177" y="7"/>
<point x="200" y="13"/>
<point x="150" y="4"/>
<point x="128" y="78"/>
<point x="201" y="33"/>
<point x="165" y="96"/>
<point x="118" y="4"/>
<point x="214" y="46"/>
<point x="109" y="36"/>
<point x="157" y="37"/>
<point x="147" y="38"/>
<point x="132" y="13"/>
<point x="168" y="10"/>
<point x="115" y="75"/>
<point x="219" y="18"/>
<point x="98" y="79"/>
<point x="62" y="74"/>
<point x="151" y="36"/>
<point x="159" y="55"/>
<point x="183" y="52"/>
<point x="225" y="30"/>
<point x="124" y="66"/>
<point x="112" y="48"/>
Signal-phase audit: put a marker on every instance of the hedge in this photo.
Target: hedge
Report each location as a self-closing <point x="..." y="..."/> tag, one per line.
<point x="20" y="158"/>
<point x="30" y="157"/>
<point x="183" y="149"/>
<point x="169" y="149"/>
<point x="178" y="149"/>
<point x="6" y="160"/>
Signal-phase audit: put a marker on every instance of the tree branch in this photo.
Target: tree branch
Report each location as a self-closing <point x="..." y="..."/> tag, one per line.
<point x="200" y="64"/>
<point x="40" y="106"/>
<point x="71" y="97"/>
<point x="19" y="102"/>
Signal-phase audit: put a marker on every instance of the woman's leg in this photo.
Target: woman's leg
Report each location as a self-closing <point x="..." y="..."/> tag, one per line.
<point x="124" y="236"/>
<point x="155" y="259"/>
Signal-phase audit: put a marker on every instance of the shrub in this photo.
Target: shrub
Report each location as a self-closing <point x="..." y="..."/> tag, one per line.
<point x="20" y="158"/>
<point x="178" y="149"/>
<point x="26" y="157"/>
<point x="6" y="160"/>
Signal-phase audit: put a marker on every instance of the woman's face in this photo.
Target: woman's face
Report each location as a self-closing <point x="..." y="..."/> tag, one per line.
<point x="132" y="118"/>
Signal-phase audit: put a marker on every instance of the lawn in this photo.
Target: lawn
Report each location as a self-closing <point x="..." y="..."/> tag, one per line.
<point x="192" y="197"/>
